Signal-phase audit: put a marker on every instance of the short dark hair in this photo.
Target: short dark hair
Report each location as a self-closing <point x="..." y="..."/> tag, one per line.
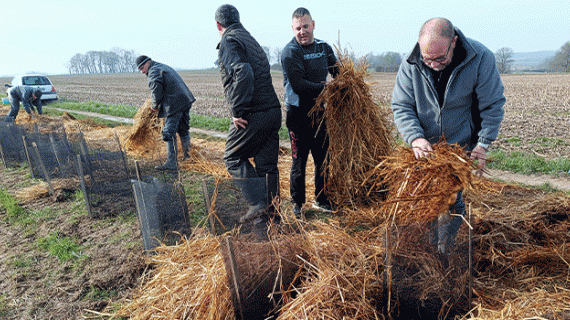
<point x="38" y="93"/>
<point x="299" y="12"/>
<point x="226" y="15"/>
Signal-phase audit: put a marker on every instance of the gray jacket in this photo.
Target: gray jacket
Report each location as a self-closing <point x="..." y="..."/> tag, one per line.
<point x="169" y="92"/>
<point x="24" y="94"/>
<point x="472" y="108"/>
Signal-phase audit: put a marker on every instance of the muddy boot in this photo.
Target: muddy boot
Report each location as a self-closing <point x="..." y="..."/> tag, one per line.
<point x="170" y="163"/>
<point x="255" y="194"/>
<point x="186" y="145"/>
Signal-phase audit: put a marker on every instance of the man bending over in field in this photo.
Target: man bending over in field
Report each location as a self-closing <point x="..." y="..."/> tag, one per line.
<point x="173" y="100"/>
<point x="448" y="87"/>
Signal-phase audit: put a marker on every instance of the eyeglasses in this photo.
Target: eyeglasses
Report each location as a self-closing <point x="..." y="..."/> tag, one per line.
<point x="439" y="59"/>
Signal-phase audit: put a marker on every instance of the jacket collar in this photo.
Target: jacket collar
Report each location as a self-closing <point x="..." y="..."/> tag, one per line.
<point x="230" y="28"/>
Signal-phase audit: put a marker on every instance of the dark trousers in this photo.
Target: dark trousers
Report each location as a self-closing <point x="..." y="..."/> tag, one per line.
<point x="258" y="140"/>
<point x="178" y="122"/>
<point x="305" y="140"/>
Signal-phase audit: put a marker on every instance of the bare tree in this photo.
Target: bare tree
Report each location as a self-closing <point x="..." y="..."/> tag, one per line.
<point x="114" y="61"/>
<point x="278" y="53"/>
<point x="386" y="62"/>
<point x="561" y="60"/>
<point x="504" y="59"/>
<point x="267" y="53"/>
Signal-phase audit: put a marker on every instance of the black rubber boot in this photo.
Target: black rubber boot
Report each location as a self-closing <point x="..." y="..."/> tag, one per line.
<point x="255" y="194"/>
<point x="186" y="145"/>
<point x="171" y="163"/>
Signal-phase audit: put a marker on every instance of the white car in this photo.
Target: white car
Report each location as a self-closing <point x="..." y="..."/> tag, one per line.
<point x="36" y="80"/>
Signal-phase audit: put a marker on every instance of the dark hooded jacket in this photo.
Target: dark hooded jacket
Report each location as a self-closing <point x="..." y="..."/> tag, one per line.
<point x="245" y="73"/>
<point x="169" y="92"/>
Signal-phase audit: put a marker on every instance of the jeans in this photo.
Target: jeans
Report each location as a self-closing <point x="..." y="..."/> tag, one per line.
<point x="444" y="228"/>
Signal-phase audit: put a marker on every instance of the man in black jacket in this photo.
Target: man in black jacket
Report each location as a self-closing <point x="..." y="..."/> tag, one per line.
<point x="306" y="64"/>
<point x="173" y="100"/>
<point x="253" y="103"/>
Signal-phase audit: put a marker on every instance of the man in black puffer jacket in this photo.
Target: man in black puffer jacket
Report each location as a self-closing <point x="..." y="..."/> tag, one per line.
<point x="253" y="103"/>
<point x="173" y="100"/>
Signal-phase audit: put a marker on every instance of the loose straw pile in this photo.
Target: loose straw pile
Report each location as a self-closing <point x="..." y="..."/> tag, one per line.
<point x="146" y="131"/>
<point x="358" y="130"/>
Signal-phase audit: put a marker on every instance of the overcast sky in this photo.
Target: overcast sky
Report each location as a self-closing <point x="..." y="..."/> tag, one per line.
<point x="42" y="36"/>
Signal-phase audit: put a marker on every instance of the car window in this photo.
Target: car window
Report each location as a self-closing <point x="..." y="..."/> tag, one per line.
<point x="38" y="81"/>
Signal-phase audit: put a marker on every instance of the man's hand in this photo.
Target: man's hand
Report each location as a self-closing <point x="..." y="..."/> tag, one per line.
<point x="421" y="147"/>
<point x="239" y="122"/>
<point x="480" y="155"/>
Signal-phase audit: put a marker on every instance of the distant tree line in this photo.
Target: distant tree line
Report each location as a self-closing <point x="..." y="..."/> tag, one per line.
<point x="115" y="61"/>
<point x="385" y="62"/>
<point x="560" y="62"/>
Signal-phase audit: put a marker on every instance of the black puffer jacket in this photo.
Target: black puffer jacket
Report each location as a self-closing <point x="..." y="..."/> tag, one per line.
<point x="245" y="73"/>
<point x="169" y="92"/>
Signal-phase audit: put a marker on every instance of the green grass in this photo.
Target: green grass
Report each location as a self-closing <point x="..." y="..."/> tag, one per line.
<point x="63" y="248"/>
<point x="195" y="199"/>
<point x="97" y="107"/>
<point x="13" y="210"/>
<point x="125" y="111"/>
<point x="104" y="122"/>
<point x="526" y="163"/>
<point x="97" y="294"/>
<point x="3" y="305"/>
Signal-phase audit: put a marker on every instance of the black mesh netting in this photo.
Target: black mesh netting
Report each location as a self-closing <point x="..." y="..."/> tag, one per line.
<point x="106" y="181"/>
<point x="227" y="200"/>
<point x="12" y="144"/>
<point x="162" y="210"/>
<point x="50" y="155"/>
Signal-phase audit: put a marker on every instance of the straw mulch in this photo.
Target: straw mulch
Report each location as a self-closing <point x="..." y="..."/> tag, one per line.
<point x="206" y="157"/>
<point x="359" y="134"/>
<point x="145" y="133"/>
<point x="521" y="256"/>
<point x="42" y="190"/>
<point x="342" y="276"/>
<point x="188" y="282"/>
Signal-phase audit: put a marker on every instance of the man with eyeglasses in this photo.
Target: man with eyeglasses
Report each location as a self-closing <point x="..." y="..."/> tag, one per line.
<point x="172" y="99"/>
<point x="448" y="88"/>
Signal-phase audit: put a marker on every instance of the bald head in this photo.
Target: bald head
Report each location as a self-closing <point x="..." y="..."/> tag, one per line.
<point x="437" y="42"/>
<point x="437" y="27"/>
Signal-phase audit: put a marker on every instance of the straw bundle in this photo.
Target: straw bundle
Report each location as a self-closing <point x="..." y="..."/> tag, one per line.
<point x="189" y="282"/>
<point x="359" y="134"/>
<point x="146" y="131"/>
<point x="422" y="189"/>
